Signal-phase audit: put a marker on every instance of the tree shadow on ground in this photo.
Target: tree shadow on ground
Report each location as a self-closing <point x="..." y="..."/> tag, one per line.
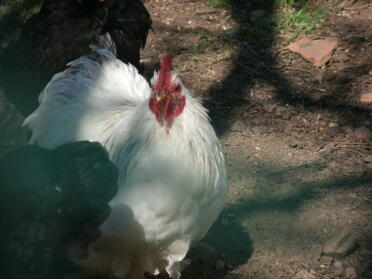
<point x="256" y="59"/>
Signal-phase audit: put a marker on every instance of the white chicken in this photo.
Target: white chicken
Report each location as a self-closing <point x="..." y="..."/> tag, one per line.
<point x="172" y="181"/>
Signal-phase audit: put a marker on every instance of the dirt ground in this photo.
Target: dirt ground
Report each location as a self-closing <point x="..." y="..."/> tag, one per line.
<point x="296" y="137"/>
<point x="296" y="164"/>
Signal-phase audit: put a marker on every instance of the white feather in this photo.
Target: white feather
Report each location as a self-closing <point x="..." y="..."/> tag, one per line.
<point x="172" y="185"/>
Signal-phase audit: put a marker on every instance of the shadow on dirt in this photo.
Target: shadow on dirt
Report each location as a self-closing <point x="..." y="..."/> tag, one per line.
<point x="256" y="60"/>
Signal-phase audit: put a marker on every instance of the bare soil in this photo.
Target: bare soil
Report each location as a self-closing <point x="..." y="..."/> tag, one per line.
<point x="295" y="137"/>
<point x="296" y="167"/>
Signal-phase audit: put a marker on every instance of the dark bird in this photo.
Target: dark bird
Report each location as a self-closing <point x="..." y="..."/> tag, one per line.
<point x="62" y="31"/>
<point x="51" y="199"/>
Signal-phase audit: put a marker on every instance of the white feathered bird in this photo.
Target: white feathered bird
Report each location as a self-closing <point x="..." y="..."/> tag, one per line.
<point x="172" y="181"/>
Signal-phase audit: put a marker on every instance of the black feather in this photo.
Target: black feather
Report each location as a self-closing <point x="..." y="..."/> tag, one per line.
<point x="48" y="199"/>
<point x="61" y="32"/>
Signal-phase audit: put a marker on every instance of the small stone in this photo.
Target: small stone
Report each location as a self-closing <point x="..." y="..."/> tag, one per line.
<point x="363" y="133"/>
<point x="238" y="126"/>
<point x="269" y="107"/>
<point x="303" y="274"/>
<point x="340" y="245"/>
<point x="366" y="98"/>
<point x="293" y="145"/>
<point x="341" y="58"/>
<point x="326" y="260"/>
<point x="333" y="125"/>
<point x="350" y="273"/>
<point x="322" y="123"/>
<point x="368" y="159"/>
<point x="257" y="130"/>
<point x="316" y="96"/>
<point x="338" y="268"/>
<point x="348" y="130"/>
<point x="317" y="52"/>
<point x="286" y="115"/>
<point x="220" y="265"/>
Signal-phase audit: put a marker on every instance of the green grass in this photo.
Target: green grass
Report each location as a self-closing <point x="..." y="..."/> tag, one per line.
<point x="285" y="3"/>
<point x="288" y="18"/>
<point x="303" y="21"/>
<point x="285" y="20"/>
<point x="218" y="3"/>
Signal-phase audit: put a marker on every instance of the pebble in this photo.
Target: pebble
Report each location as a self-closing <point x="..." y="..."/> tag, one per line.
<point x="269" y="107"/>
<point x="326" y="260"/>
<point x="350" y="273"/>
<point x="338" y="268"/>
<point x="368" y="159"/>
<point x="303" y="274"/>
<point x="293" y="145"/>
<point x="238" y="126"/>
<point x="258" y="130"/>
<point x="348" y="130"/>
<point x="363" y="133"/>
<point x="341" y="58"/>
<point x="287" y="115"/>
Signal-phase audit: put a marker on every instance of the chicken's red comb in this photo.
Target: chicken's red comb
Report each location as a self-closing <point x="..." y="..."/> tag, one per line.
<point x="165" y="76"/>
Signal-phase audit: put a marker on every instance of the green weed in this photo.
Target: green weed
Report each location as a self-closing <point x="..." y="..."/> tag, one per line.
<point x="218" y="3"/>
<point x="302" y="21"/>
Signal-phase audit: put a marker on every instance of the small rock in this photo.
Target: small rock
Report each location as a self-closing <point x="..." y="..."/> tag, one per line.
<point x="341" y="58"/>
<point x="286" y="115"/>
<point x="316" y="96"/>
<point x="348" y="130"/>
<point x="326" y="260"/>
<point x="333" y="125"/>
<point x="293" y="145"/>
<point x="366" y="98"/>
<point x="257" y="130"/>
<point x="317" y="52"/>
<point x="238" y="126"/>
<point x="338" y="268"/>
<point x="350" y="273"/>
<point x="340" y="245"/>
<point x="303" y="274"/>
<point x="220" y="265"/>
<point x="269" y="107"/>
<point x="322" y="123"/>
<point x="330" y="147"/>
<point x="368" y="159"/>
<point x="363" y="133"/>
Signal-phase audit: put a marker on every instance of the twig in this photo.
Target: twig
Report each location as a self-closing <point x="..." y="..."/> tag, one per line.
<point x="360" y="153"/>
<point x="280" y="50"/>
<point x="182" y="1"/>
